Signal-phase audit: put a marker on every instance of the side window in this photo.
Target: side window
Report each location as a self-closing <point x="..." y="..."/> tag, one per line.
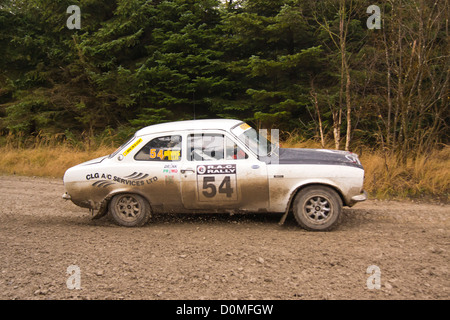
<point x="233" y="151"/>
<point x="205" y="147"/>
<point x="167" y="148"/>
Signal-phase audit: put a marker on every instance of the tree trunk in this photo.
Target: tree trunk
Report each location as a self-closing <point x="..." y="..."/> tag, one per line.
<point x="349" y="107"/>
<point x="316" y="106"/>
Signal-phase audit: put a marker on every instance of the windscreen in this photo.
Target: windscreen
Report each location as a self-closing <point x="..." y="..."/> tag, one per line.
<point x="120" y="148"/>
<point x="253" y="139"/>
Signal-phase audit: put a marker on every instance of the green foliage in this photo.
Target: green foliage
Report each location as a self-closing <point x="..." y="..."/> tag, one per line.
<point x="138" y="62"/>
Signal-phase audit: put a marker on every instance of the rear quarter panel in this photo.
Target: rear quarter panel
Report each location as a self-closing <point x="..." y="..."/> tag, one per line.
<point x="89" y="185"/>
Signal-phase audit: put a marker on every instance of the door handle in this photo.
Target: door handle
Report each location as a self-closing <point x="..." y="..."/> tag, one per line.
<point x="183" y="171"/>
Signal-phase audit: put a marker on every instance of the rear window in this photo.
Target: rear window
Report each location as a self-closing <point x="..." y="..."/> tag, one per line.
<point x="166" y="148"/>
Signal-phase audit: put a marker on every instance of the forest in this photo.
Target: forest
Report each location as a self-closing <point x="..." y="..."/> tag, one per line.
<point x="322" y="72"/>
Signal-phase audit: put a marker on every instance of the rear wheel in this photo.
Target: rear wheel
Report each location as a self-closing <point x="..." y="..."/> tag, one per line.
<point x="129" y="210"/>
<point x="317" y="208"/>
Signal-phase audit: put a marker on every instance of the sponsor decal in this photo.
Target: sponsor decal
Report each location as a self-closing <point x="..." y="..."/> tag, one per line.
<point x="165" y="154"/>
<point x="135" y="179"/>
<point x="170" y="168"/>
<point x="201" y="169"/>
<point x="137" y="176"/>
<point x="216" y="169"/>
<point x="170" y="171"/>
<point x="134" y="145"/>
<point x="244" y="126"/>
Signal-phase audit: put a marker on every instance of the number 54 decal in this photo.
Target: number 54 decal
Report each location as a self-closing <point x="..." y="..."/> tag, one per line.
<point x="225" y="187"/>
<point x="216" y="183"/>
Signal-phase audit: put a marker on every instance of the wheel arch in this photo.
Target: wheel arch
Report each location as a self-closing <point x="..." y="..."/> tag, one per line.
<point x="104" y="204"/>
<point x="299" y="188"/>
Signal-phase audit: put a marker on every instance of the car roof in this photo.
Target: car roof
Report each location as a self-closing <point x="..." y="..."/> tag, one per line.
<point x="220" y="124"/>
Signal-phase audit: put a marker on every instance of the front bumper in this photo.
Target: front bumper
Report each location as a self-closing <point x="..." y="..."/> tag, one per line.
<point x="66" y="196"/>
<point x="358" y="198"/>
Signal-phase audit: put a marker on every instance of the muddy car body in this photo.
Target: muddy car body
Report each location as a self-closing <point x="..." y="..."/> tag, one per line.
<point x="215" y="166"/>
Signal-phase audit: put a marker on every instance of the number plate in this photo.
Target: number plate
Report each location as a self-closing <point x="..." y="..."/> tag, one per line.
<point x="217" y="182"/>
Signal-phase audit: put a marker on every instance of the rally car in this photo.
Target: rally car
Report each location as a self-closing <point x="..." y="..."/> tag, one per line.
<point x="216" y="166"/>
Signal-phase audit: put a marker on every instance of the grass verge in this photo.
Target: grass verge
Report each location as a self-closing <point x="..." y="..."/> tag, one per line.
<point x="45" y="161"/>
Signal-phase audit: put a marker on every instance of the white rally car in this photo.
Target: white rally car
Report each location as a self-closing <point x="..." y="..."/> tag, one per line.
<point x="215" y="166"/>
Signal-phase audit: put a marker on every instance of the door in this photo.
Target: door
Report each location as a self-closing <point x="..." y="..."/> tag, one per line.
<point x="217" y="175"/>
<point x="161" y="157"/>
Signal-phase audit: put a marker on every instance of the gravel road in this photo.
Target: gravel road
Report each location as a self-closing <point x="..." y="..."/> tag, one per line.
<point x="217" y="256"/>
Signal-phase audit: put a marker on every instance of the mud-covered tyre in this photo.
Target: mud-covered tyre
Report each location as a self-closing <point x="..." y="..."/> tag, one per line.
<point x="129" y="210"/>
<point x="317" y="208"/>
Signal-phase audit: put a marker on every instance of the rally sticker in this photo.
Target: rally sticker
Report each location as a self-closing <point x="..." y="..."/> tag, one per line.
<point x="217" y="169"/>
<point x="134" y="145"/>
<point x="217" y="182"/>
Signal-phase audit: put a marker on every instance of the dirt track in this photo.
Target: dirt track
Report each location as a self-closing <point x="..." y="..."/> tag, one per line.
<point x="217" y="256"/>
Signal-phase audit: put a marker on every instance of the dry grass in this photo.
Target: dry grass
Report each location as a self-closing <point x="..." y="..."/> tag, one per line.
<point x="426" y="176"/>
<point x="45" y="161"/>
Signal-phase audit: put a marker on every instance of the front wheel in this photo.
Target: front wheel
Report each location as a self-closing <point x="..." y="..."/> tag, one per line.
<point x="129" y="210"/>
<point x="317" y="208"/>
